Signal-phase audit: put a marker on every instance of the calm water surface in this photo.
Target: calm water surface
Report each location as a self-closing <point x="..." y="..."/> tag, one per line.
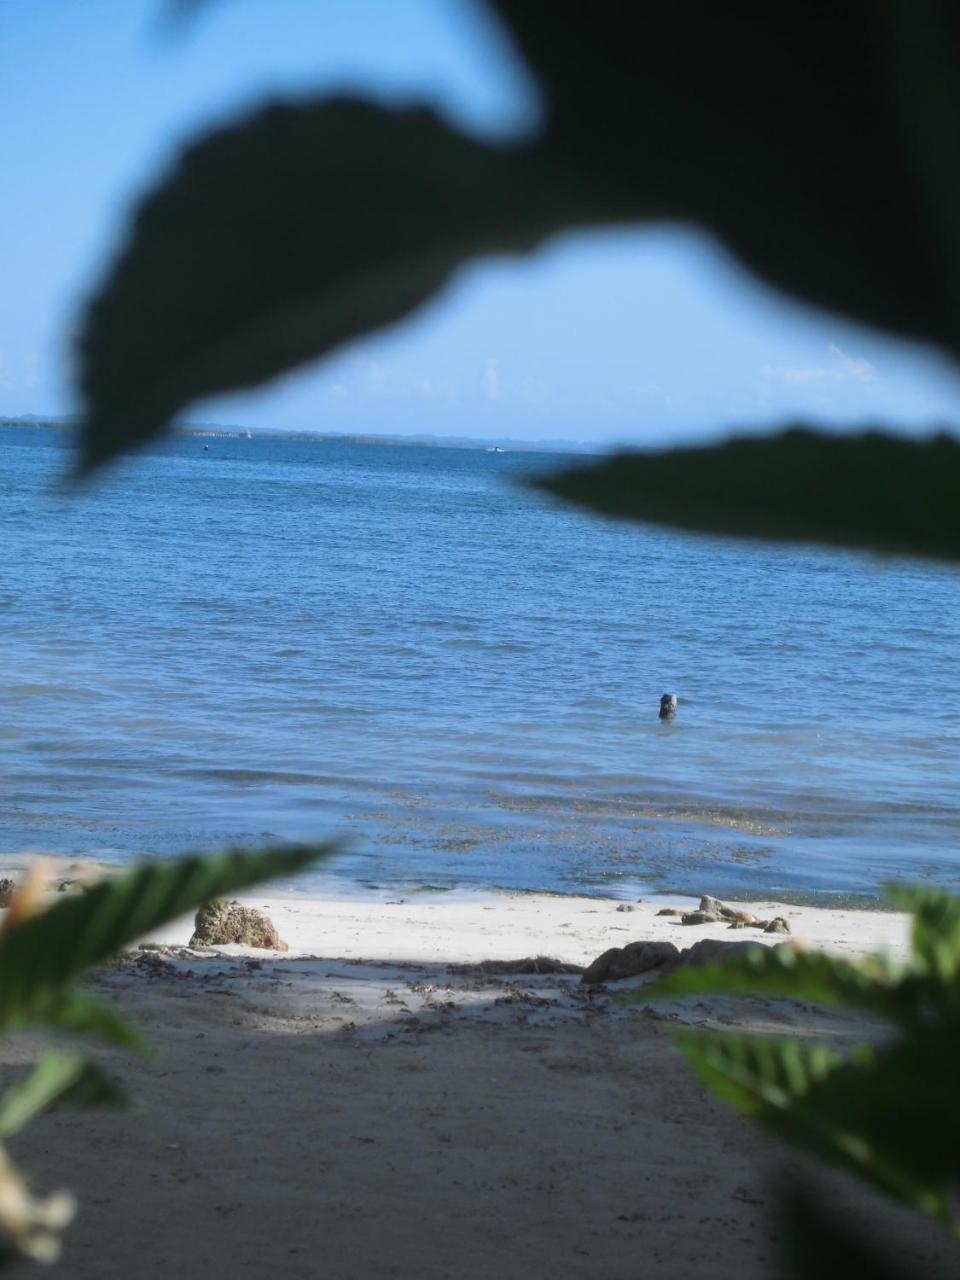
<point x="279" y="638"/>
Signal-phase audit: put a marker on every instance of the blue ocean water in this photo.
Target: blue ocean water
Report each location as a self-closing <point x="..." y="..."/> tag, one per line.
<point x="231" y="639"/>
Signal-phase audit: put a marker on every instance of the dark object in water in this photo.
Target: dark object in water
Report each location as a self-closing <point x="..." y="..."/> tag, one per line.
<point x="668" y="706"/>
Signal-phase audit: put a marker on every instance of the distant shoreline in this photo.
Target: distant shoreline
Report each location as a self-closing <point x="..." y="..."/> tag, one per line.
<point x="213" y="430"/>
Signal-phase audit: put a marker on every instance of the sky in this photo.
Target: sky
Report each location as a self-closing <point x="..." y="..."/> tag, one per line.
<point x="643" y="337"/>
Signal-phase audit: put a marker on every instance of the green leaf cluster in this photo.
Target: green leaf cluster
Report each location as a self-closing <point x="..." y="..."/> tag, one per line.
<point x="890" y="1110"/>
<point x="44" y="956"/>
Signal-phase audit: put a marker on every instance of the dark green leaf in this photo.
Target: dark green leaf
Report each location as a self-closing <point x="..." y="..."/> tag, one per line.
<point x="792" y="974"/>
<point x="757" y="1074"/>
<point x="936" y="930"/>
<point x="891" y="1115"/>
<point x="819" y="143"/>
<point x="42" y="956"/>
<point x="820" y="1245"/>
<point x="58" y="1079"/>
<point x="871" y="490"/>
<point x="75" y="1013"/>
<point x="279" y="239"/>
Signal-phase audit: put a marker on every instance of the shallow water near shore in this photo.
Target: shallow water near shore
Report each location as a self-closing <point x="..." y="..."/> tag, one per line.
<point x="230" y="640"/>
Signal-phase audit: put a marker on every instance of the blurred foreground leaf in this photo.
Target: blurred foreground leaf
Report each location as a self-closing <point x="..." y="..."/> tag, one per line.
<point x="935" y="935"/>
<point x="871" y="490"/>
<point x="75" y="1013"/>
<point x="43" y="955"/>
<point x="820" y="143"/>
<point x="891" y="1115"/>
<point x="819" y="1245"/>
<point x="58" y="1079"/>
<point x="786" y="972"/>
<point x="889" y="1110"/>
<point x="280" y="238"/>
<point x="757" y="1074"/>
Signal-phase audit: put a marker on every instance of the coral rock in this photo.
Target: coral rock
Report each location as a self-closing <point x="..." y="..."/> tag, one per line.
<point x="700" y="917"/>
<point x="718" y="908"/>
<point x="218" y="923"/>
<point x="626" y="962"/>
<point x="713" y="951"/>
<point x="528" y="964"/>
<point x="777" y="925"/>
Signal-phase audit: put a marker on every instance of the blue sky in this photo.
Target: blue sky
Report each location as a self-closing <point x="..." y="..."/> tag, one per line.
<point x="642" y="337"/>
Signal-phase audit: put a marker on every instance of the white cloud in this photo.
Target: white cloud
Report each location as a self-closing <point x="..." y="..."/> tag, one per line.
<point x="365" y="381"/>
<point x="653" y="390"/>
<point x="853" y="367"/>
<point x="376" y="374"/>
<point x="446" y="390"/>
<point x="533" y="391"/>
<point x="844" y="368"/>
<point x="492" y="386"/>
<point x="21" y="371"/>
<point x="31" y="370"/>
<point x="792" y="374"/>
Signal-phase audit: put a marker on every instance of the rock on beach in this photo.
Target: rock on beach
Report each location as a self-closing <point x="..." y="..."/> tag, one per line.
<point x="713" y="911"/>
<point x="626" y="962"/>
<point x="700" y="917"/>
<point x="713" y="951"/>
<point x="640" y="957"/>
<point x="777" y="925"/>
<point x="219" y="923"/>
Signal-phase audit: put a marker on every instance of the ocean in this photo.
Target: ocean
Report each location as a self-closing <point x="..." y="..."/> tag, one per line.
<point x="227" y="640"/>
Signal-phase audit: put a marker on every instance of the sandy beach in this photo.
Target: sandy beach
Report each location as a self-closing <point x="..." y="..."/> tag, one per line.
<point x="374" y="1103"/>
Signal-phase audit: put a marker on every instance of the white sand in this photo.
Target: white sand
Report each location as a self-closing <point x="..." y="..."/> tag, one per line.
<point x="444" y="928"/>
<point x="361" y="1108"/>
